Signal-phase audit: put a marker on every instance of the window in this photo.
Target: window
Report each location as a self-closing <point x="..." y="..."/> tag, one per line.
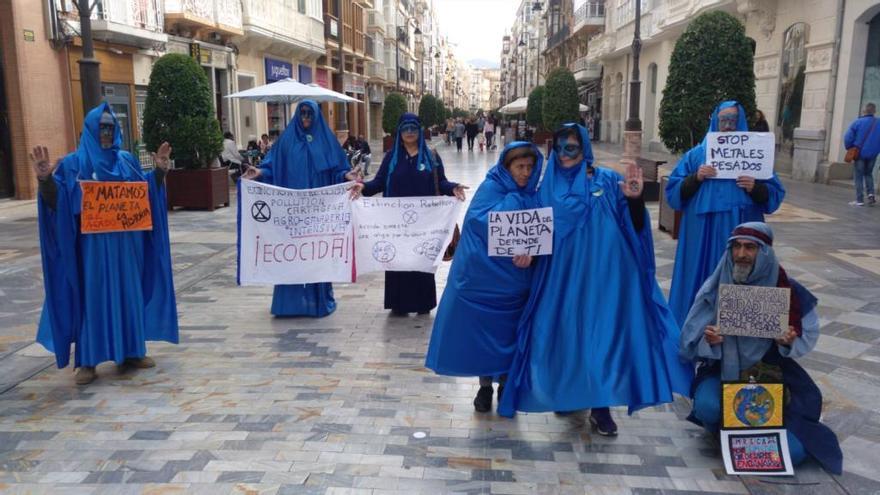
<point x="626" y="11"/>
<point x="301" y="6"/>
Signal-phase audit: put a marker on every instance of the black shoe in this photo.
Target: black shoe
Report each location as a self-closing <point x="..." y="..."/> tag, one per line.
<point x="424" y="312"/>
<point x="396" y="313"/>
<point x="483" y="400"/>
<point x="500" y="392"/>
<point x="602" y="423"/>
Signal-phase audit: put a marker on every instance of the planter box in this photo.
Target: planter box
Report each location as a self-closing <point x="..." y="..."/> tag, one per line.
<point x="387" y="143"/>
<point x="670" y="219"/>
<point x="200" y="189"/>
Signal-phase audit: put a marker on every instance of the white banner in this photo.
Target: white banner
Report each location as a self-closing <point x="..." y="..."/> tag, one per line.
<point x="521" y="232"/>
<point x="403" y="234"/>
<point x="289" y="236"/>
<point x="734" y="154"/>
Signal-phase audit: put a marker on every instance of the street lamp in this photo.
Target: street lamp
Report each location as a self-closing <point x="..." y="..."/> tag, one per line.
<point x="632" y="143"/>
<point x="522" y="44"/>
<point x="89" y="66"/>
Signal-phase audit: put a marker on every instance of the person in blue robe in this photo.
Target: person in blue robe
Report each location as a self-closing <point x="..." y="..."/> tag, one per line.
<point x="596" y="331"/>
<point x="107" y="293"/>
<point x="711" y="209"/>
<point x="475" y="328"/>
<point x="307" y="155"/>
<point x="750" y="260"/>
<point x="408" y="170"/>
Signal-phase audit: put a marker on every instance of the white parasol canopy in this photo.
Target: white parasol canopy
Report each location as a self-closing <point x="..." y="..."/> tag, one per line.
<point x="521" y="104"/>
<point x="292" y="91"/>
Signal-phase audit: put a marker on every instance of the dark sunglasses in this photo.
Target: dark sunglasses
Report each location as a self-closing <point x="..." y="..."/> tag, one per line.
<point x="569" y="150"/>
<point x="106" y="129"/>
<point x="409" y="128"/>
<point x="306" y="114"/>
<point x="728" y="120"/>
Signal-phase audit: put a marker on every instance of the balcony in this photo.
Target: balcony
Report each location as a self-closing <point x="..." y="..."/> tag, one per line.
<point x="375" y="21"/>
<point x="590" y="16"/>
<point x="585" y="71"/>
<point x="271" y="25"/>
<point x="557" y="38"/>
<point x="376" y="72"/>
<point x="374" y="48"/>
<point x="138" y="24"/>
<point x="228" y="15"/>
<point x="198" y="17"/>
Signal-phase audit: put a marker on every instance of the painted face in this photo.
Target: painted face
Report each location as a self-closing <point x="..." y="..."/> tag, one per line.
<point x="409" y="133"/>
<point x="306" y="116"/>
<point x="744" y="254"/>
<point x="106" y="132"/>
<point x="521" y="169"/>
<point x="727" y="119"/>
<point x="570" y="151"/>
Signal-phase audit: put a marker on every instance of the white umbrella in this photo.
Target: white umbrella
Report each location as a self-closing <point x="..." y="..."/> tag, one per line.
<point x="291" y="91"/>
<point x="583" y="108"/>
<point x="518" y="106"/>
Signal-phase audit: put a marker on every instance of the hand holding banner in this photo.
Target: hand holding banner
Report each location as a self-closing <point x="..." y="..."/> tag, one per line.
<point x="734" y="154"/>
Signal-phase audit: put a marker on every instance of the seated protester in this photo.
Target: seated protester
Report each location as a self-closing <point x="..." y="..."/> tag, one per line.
<point x="750" y="260"/>
<point x="475" y="328"/>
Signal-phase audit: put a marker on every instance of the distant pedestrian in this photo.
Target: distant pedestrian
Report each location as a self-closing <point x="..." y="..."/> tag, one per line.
<point x="450" y="127"/>
<point x="864" y="135"/>
<point x="472" y="130"/>
<point x="265" y="145"/>
<point x="489" y="131"/>
<point x="761" y="124"/>
<point x="458" y="133"/>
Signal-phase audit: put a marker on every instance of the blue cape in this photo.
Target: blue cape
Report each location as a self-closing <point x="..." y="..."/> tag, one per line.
<point x="596" y="330"/>
<point x="425" y="154"/>
<point x="708" y="218"/>
<point x="108" y="293"/>
<point x="475" y="328"/>
<point x="305" y="159"/>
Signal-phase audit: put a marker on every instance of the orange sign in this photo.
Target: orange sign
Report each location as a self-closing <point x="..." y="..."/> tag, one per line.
<point x="115" y="207"/>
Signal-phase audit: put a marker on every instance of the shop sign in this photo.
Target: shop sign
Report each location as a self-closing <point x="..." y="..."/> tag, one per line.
<point x="277" y="70"/>
<point x="353" y="84"/>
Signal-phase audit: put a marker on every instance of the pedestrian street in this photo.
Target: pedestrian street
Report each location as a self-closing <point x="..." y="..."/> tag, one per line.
<point x="248" y="403"/>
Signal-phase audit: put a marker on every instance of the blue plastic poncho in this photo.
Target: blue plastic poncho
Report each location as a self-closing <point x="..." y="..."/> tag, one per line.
<point x="108" y="293"/>
<point x="475" y="327"/>
<point x="596" y="330"/>
<point x="708" y="218"/>
<point x="305" y="159"/>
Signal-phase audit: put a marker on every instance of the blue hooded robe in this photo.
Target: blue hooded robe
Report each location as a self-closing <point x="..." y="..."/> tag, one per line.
<point x="305" y="159"/>
<point x="107" y="293"/>
<point x="596" y="331"/>
<point x="708" y="217"/>
<point x="475" y="328"/>
<point x="401" y="175"/>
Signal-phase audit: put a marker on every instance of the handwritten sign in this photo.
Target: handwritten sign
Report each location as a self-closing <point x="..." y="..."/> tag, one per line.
<point x="290" y="236"/>
<point x="756" y="452"/>
<point x="115" y="207"/>
<point x="753" y="311"/>
<point x="734" y="154"/>
<point x="521" y="232"/>
<point x="403" y="234"/>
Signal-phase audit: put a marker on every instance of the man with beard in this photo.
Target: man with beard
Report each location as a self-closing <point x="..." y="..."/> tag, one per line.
<point x="750" y="260"/>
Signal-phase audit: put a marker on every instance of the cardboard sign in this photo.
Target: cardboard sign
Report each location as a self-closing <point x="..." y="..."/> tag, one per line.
<point x="751" y="405"/>
<point x="115" y="207"/>
<point x="294" y="236"/>
<point x="734" y="154"/>
<point x="753" y="311"/>
<point x="521" y="232"/>
<point x="756" y="452"/>
<point x="403" y="234"/>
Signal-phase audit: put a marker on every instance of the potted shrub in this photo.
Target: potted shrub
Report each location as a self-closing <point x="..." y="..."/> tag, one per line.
<point x="428" y="113"/>
<point x="179" y="109"/>
<point x="560" y="100"/>
<point x="395" y="106"/>
<point x="535" y="116"/>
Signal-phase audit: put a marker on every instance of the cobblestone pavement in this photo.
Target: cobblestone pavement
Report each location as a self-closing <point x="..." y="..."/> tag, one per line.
<point x="251" y="404"/>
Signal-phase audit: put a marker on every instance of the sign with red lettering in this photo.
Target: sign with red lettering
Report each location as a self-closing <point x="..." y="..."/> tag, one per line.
<point x="294" y="236"/>
<point x="115" y="207"/>
<point x="756" y="452"/>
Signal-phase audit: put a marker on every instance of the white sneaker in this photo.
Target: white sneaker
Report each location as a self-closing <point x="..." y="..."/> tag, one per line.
<point x="856" y="203"/>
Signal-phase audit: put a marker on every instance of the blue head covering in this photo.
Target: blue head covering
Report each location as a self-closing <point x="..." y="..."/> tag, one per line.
<point x="567" y="189"/>
<point x="425" y="155"/>
<point x="97" y="163"/>
<point x="301" y="153"/>
<point x="501" y="176"/>
<point x="737" y="353"/>
<point x="742" y="123"/>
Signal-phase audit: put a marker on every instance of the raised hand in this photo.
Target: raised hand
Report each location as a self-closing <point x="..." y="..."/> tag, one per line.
<point x="633" y="182"/>
<point x="162" y="157"/>
<point x="41" y="163"/>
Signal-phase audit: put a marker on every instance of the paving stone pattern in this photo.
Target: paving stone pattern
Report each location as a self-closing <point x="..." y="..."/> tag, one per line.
<point x="248" y="403"/>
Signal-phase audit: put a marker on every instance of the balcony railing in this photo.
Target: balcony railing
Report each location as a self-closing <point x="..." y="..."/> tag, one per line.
<point x="145" y="14"/>
<point x="584" y="70"/>
<point x="202" y="10"/>
<point x="275" y="19"/>
<point x="591" y="13"/>
<point x="557" y="38"/>
<point x="376" y="70"/>
<point x="375" y="20"/>
<point x="228" y="14"/>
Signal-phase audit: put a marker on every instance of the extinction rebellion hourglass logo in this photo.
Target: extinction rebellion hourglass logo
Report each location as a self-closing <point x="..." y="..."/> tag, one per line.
<point x="260" y="211"/>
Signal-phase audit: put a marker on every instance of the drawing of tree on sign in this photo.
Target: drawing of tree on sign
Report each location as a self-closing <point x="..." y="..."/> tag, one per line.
<point x="429" y="249"/>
